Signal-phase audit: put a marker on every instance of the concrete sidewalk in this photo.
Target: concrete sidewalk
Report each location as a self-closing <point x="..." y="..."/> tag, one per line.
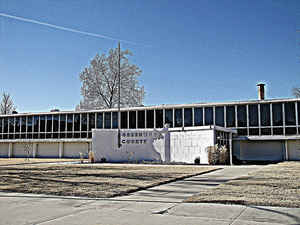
<point x="161" y="206"/>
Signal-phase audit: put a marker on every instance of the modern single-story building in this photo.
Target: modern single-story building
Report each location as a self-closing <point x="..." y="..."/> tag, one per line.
<point x="262" y="130"/>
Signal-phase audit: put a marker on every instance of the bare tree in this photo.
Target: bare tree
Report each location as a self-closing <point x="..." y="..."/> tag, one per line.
<point x="296" y="92"/>
<point x="100" y="82"/>
<point x="6" y="106"/>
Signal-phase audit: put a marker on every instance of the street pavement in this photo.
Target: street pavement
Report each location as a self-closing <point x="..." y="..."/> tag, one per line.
<point x="158" y="205"/>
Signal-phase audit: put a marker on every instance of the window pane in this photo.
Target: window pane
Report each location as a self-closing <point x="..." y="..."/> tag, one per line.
<point x="242" y="116"/>
<point x="29" y="124"/>
<point x="209" y="116"/>
<point x="265" y="131"/>
<point x="265" y="115"/>
<point x="1" y="126"/>
<point x="298" y="106"/>
<point x="141" y="119"/>
<point x="169" y="117"/>
<point x="290" y="114"/>
<point x="55" y="123"/>
<point x="219" y="116"/>
<point x="83" y="122"/>
<point x="115" y="120"/>
<point x="178" y="117"/>
<point x="42" y="123"/>
<point x="277" y="131"/>
<point x="23" y="124"/>
<point x="230" y="116"/>
<point x="70" y="122"/>
<point x="242" y="132"/>
<point x="91" y="121"/>
<point x="124" y="122"/>
<point x="290" y="130"/>
<point x="76" y="122"/>
<point x="198" y="116"/>
<point x="132" y="119"/>
<point x="188" y="117"/>
<point x="253" y="131"/>
<point x="253" y="115"/>
<point x="62" y="122"/>
<point x="17" y="125"/>
<point x="150" y="118"/>
<point x="100" y="120"/>
<point x="159" y="118"/>
<point x="277" y="114"/>
<point x="11" y="124"/>
<point x="49" y="123"/>
<point x="107" y="120"/>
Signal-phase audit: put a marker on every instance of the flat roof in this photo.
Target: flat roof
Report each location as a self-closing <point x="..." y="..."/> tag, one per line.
<point x="162" y="106"/>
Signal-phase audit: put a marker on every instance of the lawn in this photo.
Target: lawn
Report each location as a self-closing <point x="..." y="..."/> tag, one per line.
<point x="90" y="180"/>
<point x="274" y="185"/>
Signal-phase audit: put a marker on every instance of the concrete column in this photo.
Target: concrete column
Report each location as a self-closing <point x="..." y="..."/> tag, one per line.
<point x="61" y="149"/>
<point x="286" y="151"/>
<point x="230" y="148"/>
<point x="34" y="150"/>
<point x="167" y="147"/>
<point x="10" y="150"/>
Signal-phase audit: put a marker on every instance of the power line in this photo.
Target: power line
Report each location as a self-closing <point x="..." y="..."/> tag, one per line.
<point x="69" y="29"/>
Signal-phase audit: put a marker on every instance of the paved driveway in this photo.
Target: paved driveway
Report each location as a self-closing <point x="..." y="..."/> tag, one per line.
<point x="158" y="205"/>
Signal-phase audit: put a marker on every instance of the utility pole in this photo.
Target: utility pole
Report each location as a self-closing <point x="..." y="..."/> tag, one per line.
<point x="119" y="100"/>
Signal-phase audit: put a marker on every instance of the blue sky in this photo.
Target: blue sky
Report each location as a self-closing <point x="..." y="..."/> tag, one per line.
<point x="190" y="51"/>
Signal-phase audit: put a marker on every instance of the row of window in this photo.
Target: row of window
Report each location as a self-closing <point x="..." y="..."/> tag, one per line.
<point x="252" y="116"/>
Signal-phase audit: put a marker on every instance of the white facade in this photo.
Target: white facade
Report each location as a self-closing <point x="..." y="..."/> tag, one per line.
<point x="166" y="145"/>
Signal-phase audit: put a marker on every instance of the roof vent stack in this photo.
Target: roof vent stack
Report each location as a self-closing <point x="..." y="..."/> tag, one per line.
<point x="261" y="91"/>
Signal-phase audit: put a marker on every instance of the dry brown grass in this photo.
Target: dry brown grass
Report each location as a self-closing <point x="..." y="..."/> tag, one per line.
<point x="13" y="161"/>
<point x="96" y="180"/>
<point x="274" y="185"/>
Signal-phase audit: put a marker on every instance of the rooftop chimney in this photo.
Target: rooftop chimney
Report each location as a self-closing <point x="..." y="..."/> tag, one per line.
<point x="261" y="91"/>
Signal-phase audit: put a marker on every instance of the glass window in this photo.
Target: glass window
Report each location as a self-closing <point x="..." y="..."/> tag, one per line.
<point x="277" y="131"/>
<point x="209" y="116"/>
<point x="265" y="115"/>
<point x="188" y="117"/>
<point x="23" y="124"/>
<point x="29" y="124"/>
<point x="17" y="125"/>
<point x="76" y="122"/>
<point x="242" y="116"/>
<point x="83" y="122"/>
<point x="107" y="120"/>
<point x="253" y="115"/>
<point x="290" y="130"/>
<point x="169" y="117"/>
<point x="11" y="124"/>
<point x="265" y="131"/>
<point x="198" y="116"/>
<point x="219" y="116"/>
<point x="70" y="122"/>
<point x="91" y="121"/>
<point x="55" y="123"/>
<point x="141" y="119"/>
<point x="132" y="119"/>
<point x="5" y="130"/>
<point x="115" y="120"/>
<point x="253" y="131"/>
<point x="49" y="123"/>
<point x="298" y="107"/>
<point x="159" y="118"/>
<point x="124" y="118"/>
<point x="290" y="114"/>
<point x="230" y="116"/>
<point x="178" y="117"/>
<point x="36" y="123"/>
<point x="62" y="122"/>
<point x="42" y="123"/>
<point x="1" y="121"/>
<point x="100" y="120"/>
<point x="277" y="114"/>
<point x="150" y="118"/>
<point x="242" y="132"/>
